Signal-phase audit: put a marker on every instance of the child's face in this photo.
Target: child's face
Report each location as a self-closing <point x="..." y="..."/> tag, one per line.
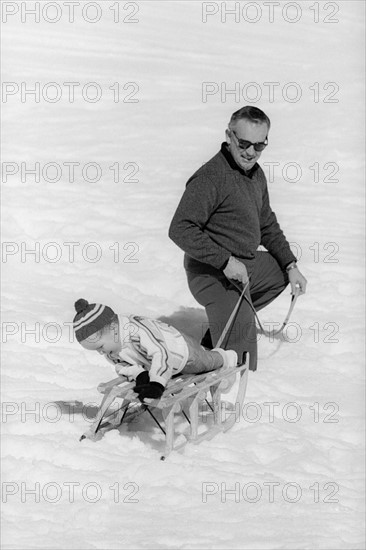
<point x="105" y="344"/>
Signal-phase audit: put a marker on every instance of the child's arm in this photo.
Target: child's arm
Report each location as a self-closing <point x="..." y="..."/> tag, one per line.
<point x="152" y="345"/>
<point x="144" y="387"/>
<point x="124" y="368"/>
<point x="131" y="372"/>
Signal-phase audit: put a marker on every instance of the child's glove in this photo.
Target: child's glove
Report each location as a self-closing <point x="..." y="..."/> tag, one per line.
<point x="141" y="380"/>
<point x="153" y="390"/>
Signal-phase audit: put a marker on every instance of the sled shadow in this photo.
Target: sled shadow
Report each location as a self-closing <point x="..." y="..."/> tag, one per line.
<point x="193" y="322"/>
<point x="88" y="410"/>
<point x="143" y="426"/>
<point x="149" y="433"/>
<point x="190" y="320"/>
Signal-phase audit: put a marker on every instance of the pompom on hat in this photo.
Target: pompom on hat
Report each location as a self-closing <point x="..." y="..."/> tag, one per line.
<point x="90" y="318"/>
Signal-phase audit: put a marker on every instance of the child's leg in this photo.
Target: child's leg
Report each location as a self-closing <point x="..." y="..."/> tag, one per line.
<point x="199" y="359"/>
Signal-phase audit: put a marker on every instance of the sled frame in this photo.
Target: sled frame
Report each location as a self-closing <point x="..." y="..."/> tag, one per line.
<point x="184" y="394"/>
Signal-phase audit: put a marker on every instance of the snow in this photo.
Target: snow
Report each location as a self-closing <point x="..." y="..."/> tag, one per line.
<point x="294" y="459"/>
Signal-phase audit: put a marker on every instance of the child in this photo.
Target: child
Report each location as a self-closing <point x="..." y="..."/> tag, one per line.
<point x="145" y="350"/>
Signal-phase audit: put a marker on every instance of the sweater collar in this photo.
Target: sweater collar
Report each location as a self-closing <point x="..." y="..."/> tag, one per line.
<point x="228" y="157"/>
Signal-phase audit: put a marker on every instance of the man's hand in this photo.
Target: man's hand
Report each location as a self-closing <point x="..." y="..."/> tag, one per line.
<point x="297" y="280"/>
<point x="236" y="270"/>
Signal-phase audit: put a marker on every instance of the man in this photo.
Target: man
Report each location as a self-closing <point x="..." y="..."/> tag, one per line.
<point x="222" y="218"/>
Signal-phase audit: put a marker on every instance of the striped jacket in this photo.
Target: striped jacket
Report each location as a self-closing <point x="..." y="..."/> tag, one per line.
<point x="148" y="344"/>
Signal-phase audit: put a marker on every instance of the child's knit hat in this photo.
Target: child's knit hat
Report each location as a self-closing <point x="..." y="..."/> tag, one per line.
<point x="90" y="318"/>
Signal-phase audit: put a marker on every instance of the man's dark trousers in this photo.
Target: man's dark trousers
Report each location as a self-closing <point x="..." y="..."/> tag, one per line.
<point x="219" y="297"/>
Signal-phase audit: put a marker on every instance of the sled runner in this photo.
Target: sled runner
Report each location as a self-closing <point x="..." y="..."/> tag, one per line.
<point x="197" y="397"/>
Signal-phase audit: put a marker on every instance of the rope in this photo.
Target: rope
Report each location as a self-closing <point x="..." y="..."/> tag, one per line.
<point x="234" y="312"/>
<point x="294" y="297"/>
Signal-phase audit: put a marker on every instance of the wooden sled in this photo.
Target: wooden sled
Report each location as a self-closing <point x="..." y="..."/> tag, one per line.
<point x="184" y="394"/>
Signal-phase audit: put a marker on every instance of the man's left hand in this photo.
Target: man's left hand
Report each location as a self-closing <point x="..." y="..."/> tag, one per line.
<point x="297" y="280"/>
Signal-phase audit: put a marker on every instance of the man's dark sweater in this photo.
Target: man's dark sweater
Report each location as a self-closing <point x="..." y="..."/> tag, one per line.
<point x="225" y="212"/>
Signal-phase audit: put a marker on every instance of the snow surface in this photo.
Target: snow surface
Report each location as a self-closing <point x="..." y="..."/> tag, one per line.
<point x="316" y="375"/>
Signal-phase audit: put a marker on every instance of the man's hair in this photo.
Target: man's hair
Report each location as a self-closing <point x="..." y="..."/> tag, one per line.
<point x="253" y="114"/>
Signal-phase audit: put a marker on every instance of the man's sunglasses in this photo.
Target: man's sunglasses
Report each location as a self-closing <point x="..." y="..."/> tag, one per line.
<point x="245" y="144"/>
